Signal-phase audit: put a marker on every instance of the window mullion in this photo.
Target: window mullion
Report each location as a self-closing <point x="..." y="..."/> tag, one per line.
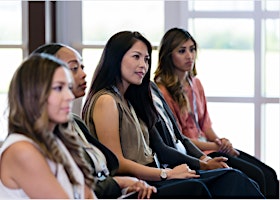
<point x="257" y="76"/>
<point x="24" y="46"/>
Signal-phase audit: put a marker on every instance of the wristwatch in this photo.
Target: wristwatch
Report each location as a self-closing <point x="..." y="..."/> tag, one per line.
<point x="163" y="174"/>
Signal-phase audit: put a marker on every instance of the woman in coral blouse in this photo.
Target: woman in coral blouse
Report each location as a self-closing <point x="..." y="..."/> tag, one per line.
<point x="184" y="93"/>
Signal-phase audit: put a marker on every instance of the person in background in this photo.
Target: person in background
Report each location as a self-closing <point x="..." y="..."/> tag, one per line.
<point x="176" y="78"/>
<point x="103" y="161"/>
<point x="120" y="113"/>
<point x="41" y="157"/>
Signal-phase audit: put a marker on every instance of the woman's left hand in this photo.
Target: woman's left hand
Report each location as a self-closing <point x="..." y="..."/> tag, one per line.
<point x="225" y="145"/>
<point x="234" y="152"/>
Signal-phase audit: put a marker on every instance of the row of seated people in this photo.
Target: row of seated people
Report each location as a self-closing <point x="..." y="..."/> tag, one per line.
<point x="133" y="142"/>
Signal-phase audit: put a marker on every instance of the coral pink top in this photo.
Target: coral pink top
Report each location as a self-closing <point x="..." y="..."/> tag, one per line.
<point x="185" y="120"/>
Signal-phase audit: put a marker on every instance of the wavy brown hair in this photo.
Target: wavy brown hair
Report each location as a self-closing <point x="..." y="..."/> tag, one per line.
<point x="164" y="73"/>
<point x="28" y="115"/>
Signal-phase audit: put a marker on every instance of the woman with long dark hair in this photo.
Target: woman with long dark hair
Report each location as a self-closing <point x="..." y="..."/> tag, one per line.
<point x="120" y="113"/>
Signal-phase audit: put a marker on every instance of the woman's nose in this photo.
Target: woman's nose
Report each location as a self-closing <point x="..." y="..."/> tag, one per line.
<point x="69" y="95"/>
<point x="82" y="72"/>
<point x="144" y="63"/>
<point x="188" y="54"/>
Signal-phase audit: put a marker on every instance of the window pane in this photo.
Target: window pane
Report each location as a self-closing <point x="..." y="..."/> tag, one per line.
<point x="10" y="22"/>
<point x="272" y="57"/>
<point x="226" y="56"/>
<point x="218" y="5"/>
<point x="271" y="136"/>
<point x="271" y="5"/>
<point x="90" y="60"/>
<point x="3" y="116"/>
<point x="11" y="59"/>
<point x="234" y="121"/>
<point x="223" y="33"/>
<point x="102" y="19"/>
<point x="154" y="63"/>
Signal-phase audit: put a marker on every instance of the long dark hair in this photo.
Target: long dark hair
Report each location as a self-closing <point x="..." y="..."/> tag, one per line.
<point x="108" y="73"/>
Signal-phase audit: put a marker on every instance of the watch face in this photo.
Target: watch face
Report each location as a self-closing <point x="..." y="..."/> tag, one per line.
<point x="163" y="174"/>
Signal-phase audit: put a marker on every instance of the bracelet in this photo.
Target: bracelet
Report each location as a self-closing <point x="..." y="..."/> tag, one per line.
<point x="124" y="191"/>
<point x="206" y="158"/>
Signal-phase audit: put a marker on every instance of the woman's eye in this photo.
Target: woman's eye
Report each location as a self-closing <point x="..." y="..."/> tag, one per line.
<point x="192" y="49"/>
<point x="57" y="88"/>
<point x="147" y="59"/>
<point x="136" y="56"/>
<point x="70" y="87"/>
<point x="74" y="69"/>
<point x="181" y="51"/>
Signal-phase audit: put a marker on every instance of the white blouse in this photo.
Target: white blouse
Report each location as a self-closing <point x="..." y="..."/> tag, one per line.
<point x="57" y="170"/>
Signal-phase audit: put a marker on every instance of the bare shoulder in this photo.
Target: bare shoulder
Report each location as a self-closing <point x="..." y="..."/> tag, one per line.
<point x="22" y="152"/>
<point x="19" y="162"/>
<point x="23" y="166"/>
<point x="105" y="110"/>
<point x="105" y="101"/>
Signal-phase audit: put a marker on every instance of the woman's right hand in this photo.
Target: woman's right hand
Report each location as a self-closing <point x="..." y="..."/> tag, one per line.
<point x="143" y="189"/>
<point x="132" y="184"/>
<point x="181" y="171"/>
<point x="215" y="163"/>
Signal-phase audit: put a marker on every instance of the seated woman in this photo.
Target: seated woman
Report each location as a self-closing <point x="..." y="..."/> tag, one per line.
<point x="119" y="112"/>
<point x="41" y="158"/>
<point x="184" y="94"/>
<point x="103" y="161"/>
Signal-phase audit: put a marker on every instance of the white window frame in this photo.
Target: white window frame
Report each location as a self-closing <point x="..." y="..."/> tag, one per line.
<point x="24" y="44"/>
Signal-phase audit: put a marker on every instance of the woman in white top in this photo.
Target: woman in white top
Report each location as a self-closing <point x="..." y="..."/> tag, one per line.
<point x="108" y="185"/>
<point x="41" y="157"/>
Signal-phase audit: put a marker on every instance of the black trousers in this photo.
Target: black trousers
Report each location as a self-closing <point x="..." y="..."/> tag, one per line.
<point x="218" y="184"/>
<point x="264" y="175"/>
